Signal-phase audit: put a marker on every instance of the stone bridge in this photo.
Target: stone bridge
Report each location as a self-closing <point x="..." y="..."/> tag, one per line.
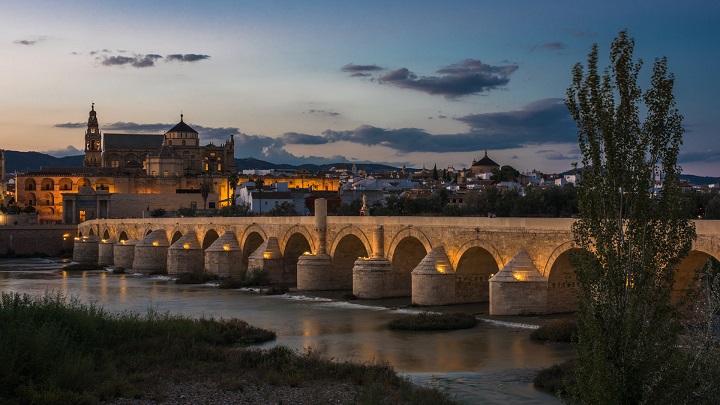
<point x="519" y="265"/>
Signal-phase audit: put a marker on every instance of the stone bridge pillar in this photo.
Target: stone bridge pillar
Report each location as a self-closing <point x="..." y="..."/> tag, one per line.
<point x="372" y="275"/>
<point x="185" y="255"/>
<point x="268" y="258"/>
<point x="151" y="252"/>
<point x="105" y="252"/>
<point x="518" y="288"/>
<point x="86" y="249"/>
<point x="124" y="253"/>
<point x="433" y="280"/>
<point x="224" y="257"/>
<point x="314" y="272"/>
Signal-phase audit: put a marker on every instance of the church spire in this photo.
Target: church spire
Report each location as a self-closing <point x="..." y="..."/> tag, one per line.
<point x="92" y="140"/>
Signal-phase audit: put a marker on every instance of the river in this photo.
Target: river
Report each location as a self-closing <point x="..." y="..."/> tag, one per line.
<point x="490" y="364"/>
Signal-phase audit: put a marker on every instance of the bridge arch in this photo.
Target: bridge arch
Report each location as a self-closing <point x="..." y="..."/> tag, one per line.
<point x="251" y="239"/>
<point x="346" y="249"/>
<point x="123" y="236"/>
<point x="106" y="234"/>
<point x="562" y="282"/>
<point x="475" y="263"/>
<point x="407" y="249"/>
<point x="175" y="236"/>
<point x="354" y="231"/>
<point x="210" y="236"/>
<point x="298" y="229"/>
<point x="404" y="233"/>
<point x="295" y="245"/>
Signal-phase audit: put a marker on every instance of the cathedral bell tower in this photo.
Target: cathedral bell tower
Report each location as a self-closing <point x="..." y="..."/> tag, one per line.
<point x="92" y="141"/>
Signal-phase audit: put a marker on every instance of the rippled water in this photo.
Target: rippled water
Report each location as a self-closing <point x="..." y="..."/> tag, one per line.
<point x="489" y="364"/>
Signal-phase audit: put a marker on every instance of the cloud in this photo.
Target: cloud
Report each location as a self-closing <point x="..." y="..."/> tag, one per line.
<point x="188" y="57"/>
<point x="550" y="154"/>
<point x="71" y="125"/>
<point x="352" y="68"/>
<point x="550" y="46"/>
<point x="543" y="121"/>
<point x="360" y="75"/>
<point x="136" y="61"/>
<point x="30" y="42"/>
<point x="698" y="156"/>
<point x="464" y="78"/>
<point x="324" y="113"/>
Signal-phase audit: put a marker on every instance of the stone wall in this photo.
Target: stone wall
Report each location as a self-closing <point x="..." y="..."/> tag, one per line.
<point x="49" y="240"/>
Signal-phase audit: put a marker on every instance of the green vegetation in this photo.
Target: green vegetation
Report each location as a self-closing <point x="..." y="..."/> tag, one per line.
<point x="254" y="278"/>
<point x="82" y="266"/>
<point x="57" y="351"/>
<point x="285" y="209"/>
<point x="195" y="278"/>
<point x="276" y="290"/>
<point x="560" y="330"/>
<point x="430" y="321"/>
<point x="630" y="237"/>
<point x="558" y="379"/>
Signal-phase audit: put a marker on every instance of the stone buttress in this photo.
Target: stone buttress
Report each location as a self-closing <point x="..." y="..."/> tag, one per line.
<point x="267" y="258"/>
<point x="518" y="288"/>
<point x="86" y="249"/>
<point x="151" y="252"/>
<point x="224" y="257"/>
<point x="185" y="255"/>
<point x="433" y="280"/>
<point x="314" y="271"/>
<point x="371" y="274"/>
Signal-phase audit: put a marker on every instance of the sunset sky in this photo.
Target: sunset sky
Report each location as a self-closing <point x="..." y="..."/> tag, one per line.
<point x="399" y="82"/>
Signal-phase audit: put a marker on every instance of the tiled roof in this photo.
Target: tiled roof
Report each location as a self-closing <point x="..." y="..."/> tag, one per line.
<point x="132" y="141"/>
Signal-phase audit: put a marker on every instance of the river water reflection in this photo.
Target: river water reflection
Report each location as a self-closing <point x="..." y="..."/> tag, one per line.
<point x="489" y="364"/>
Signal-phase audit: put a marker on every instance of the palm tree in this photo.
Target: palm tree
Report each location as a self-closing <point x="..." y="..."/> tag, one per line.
<point x="205" y="189"/>
<point x="259" y="183"/>
<point x="233" y="180"/>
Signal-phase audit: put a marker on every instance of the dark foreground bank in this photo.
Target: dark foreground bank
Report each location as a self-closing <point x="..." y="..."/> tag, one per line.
<point x="55" y="350"/>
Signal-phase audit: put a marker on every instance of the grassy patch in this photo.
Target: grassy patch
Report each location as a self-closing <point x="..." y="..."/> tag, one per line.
<point x="82" y="267"/>
<point x="250" y="279"/>
<point x="195" y="278"/>
<point x="57" y="351"/>
<point x="428" y="321"/>
<point x="276" y="290"/>
<point x="557" y="379"/>
<point x="561" y="330"/>
<point x="54" y="350"/>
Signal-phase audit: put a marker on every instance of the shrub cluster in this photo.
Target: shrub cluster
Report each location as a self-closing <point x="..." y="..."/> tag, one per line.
<point x="430" y="321"/>
<point x="54" y="350"/>
<point x="560" y="330"/>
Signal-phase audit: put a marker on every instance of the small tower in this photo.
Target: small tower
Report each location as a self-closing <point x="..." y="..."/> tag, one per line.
<point x="93" y="153"/>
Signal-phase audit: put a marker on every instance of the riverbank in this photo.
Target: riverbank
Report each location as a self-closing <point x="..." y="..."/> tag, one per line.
<point x="56" y="350"/>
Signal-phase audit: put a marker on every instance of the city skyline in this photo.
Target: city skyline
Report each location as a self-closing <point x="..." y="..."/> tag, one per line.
<point x="410" y="83"/>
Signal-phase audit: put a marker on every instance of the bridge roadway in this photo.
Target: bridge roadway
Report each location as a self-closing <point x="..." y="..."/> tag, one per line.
<point x="519" y="265"/>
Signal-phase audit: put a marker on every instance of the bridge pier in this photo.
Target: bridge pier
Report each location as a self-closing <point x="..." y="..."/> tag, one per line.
<point x="371" y="276"/>
<point x="185" y="255"/>
<point x="315" y="272"/>
<point x="433" y="280"/>
<point x="85" y="249"/>
<point x="105" y="252"/>
<point x="224" y="257"/>
<point x="124" y="253"/>
<point x="267" y="258"/>
<point x="518" y="288"/>
<point x="151" y="253"/>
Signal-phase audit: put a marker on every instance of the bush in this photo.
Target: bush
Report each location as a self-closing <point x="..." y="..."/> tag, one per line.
<point x="557" y="379"/>
<point x="276" y="290"/>
<point x="59" y="351"/>
<point x="195" y="278"/>
<point x="82" y="267"/>
<point x="428" y="321"/>
<point x="253" y="278"/>
<point x="560" y="330"/>
<point x="157" y="213"/>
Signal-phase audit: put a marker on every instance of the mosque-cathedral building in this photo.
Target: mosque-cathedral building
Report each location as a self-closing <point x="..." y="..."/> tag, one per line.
<point x="127" y="174"/>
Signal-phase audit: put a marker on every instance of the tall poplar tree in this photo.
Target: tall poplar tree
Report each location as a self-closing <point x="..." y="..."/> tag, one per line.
<point x="630" y="233"/>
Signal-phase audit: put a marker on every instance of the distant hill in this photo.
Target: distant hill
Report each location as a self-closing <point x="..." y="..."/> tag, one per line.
<point x="32" y="161"/>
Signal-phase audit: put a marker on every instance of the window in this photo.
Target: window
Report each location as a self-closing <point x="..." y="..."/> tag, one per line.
<point x="166" y="173"/>
<point x="183" y="142"/>
<point x="169" y="142"/>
